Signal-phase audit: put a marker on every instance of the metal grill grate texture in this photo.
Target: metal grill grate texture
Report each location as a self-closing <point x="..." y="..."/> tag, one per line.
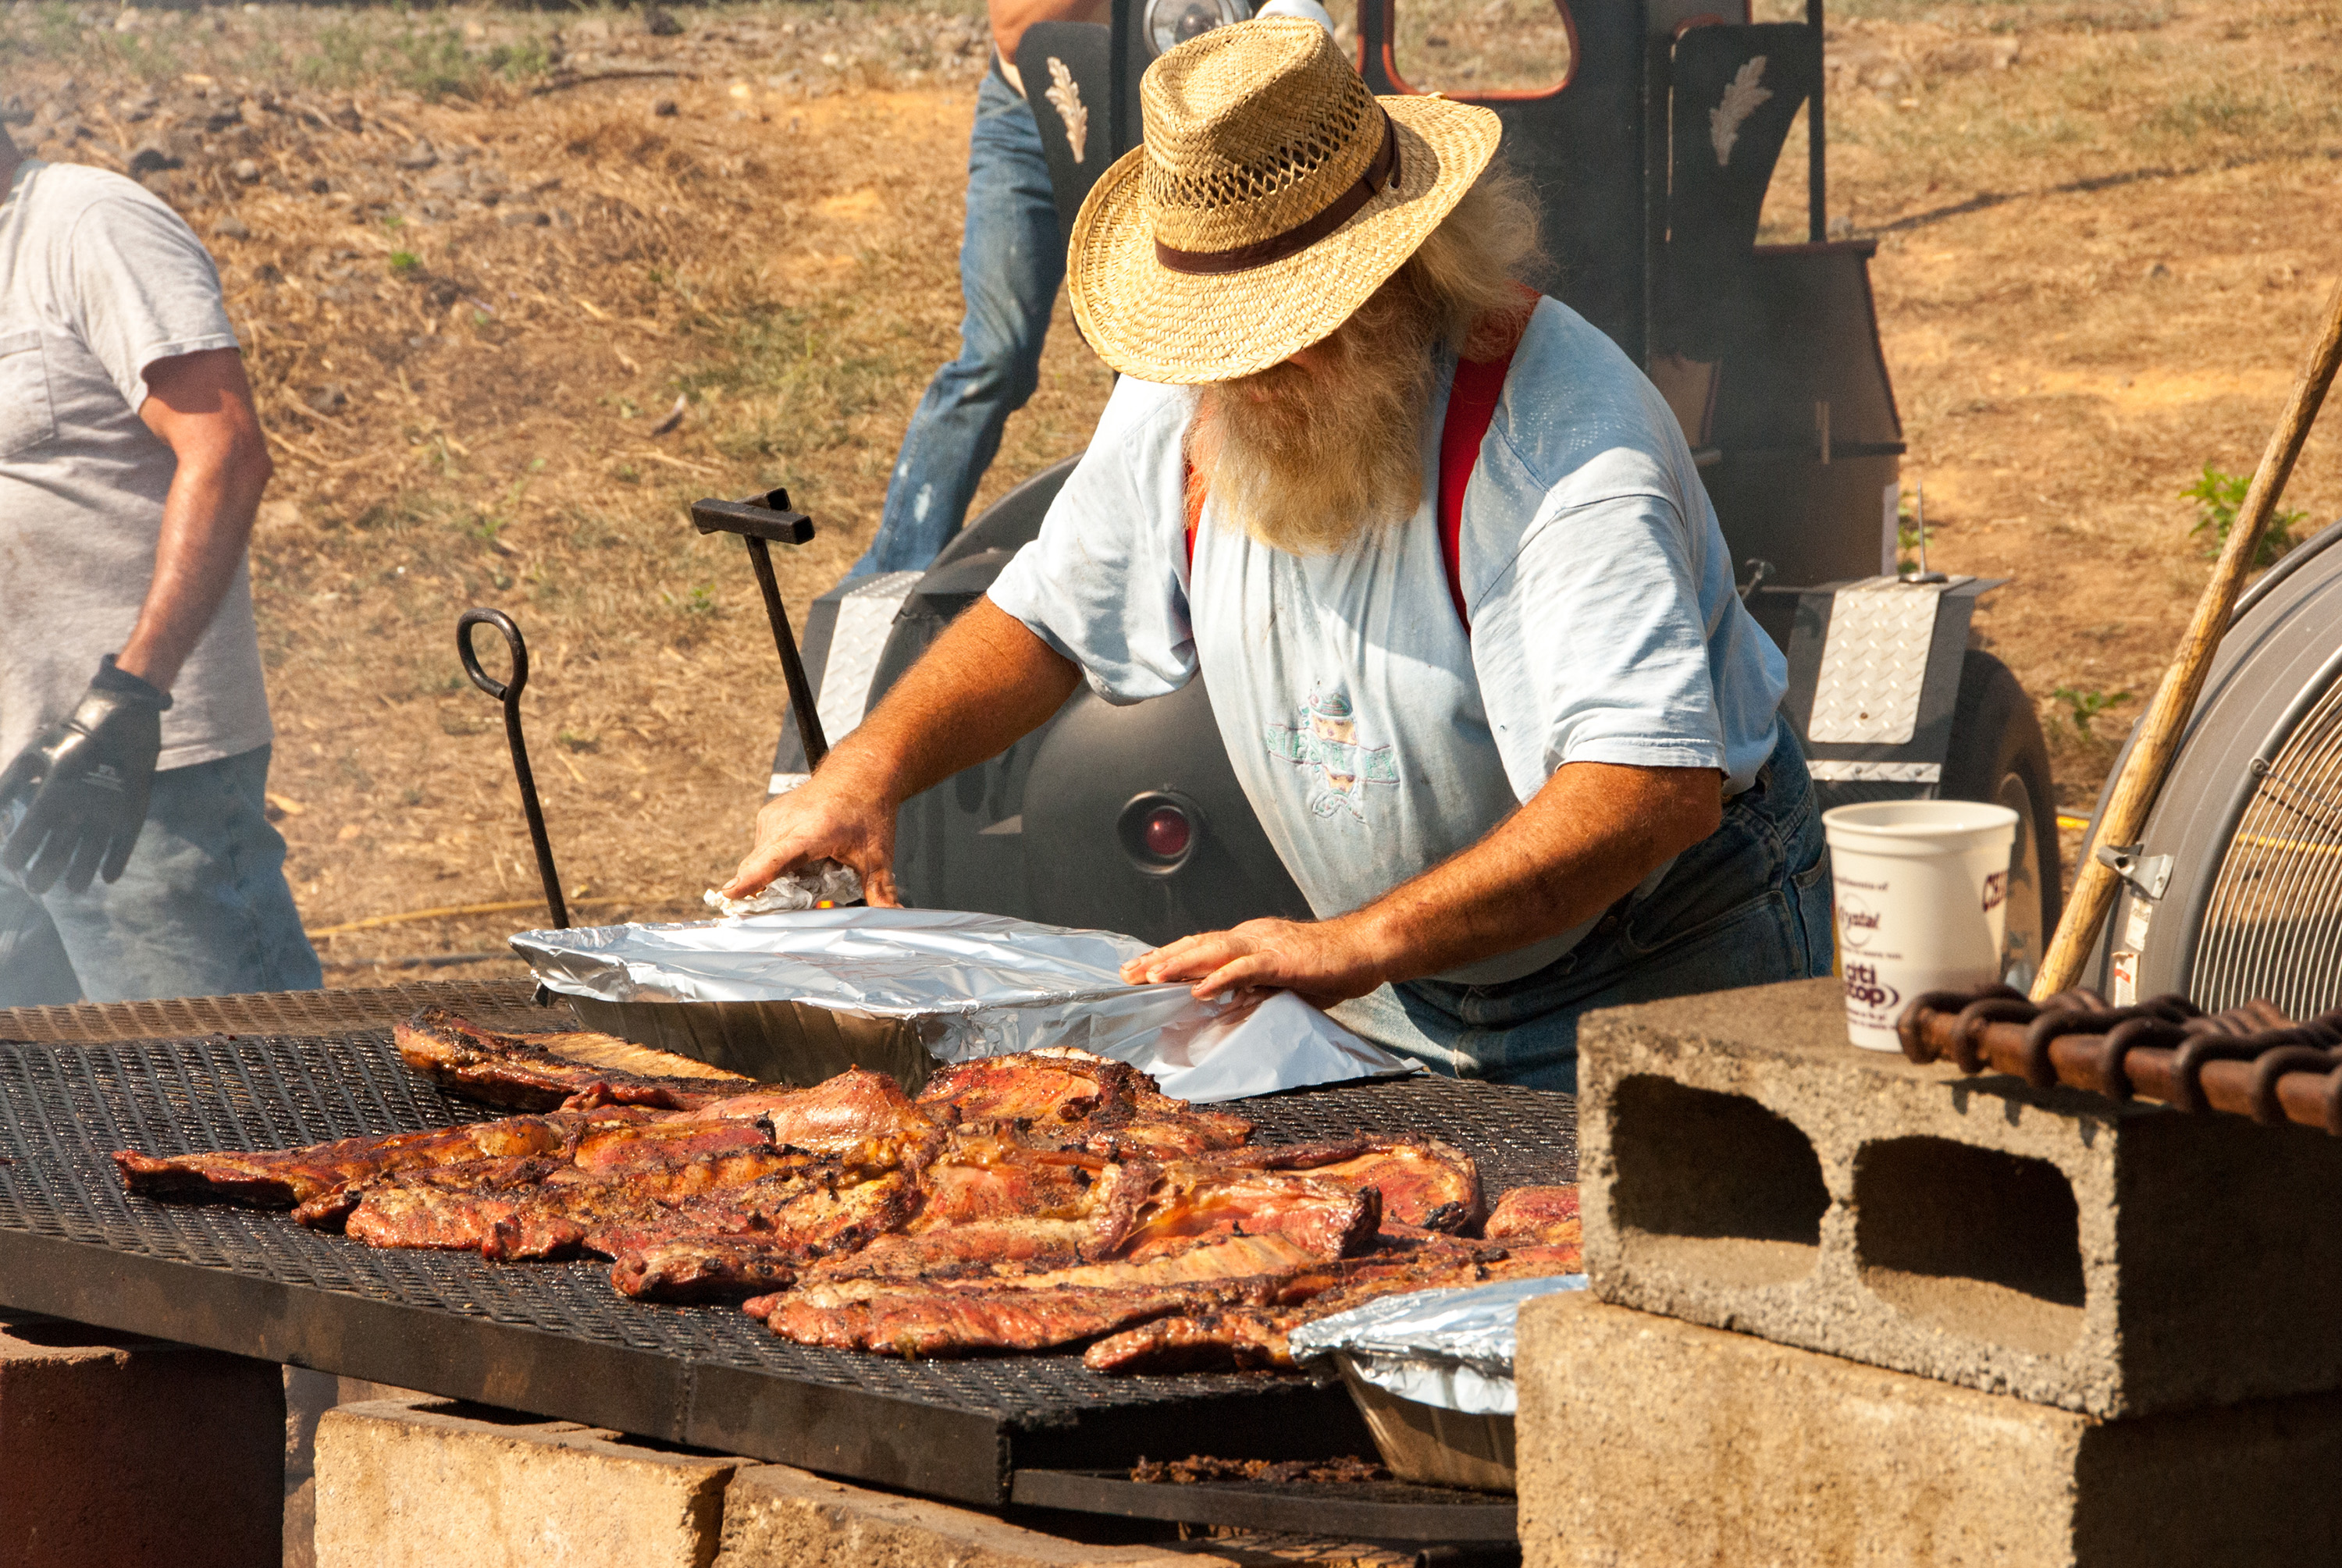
<point x="2273" y="925"/>
<point x="268" y="1012"/>
<point x="62" y="1106"/>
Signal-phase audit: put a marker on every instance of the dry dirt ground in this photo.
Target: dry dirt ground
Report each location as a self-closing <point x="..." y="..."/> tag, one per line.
<point x="480" y="257"/>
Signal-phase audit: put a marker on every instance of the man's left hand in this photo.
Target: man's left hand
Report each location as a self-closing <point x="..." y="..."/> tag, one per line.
<point x="87" y="778"/>
<point x="1322" y="961"/>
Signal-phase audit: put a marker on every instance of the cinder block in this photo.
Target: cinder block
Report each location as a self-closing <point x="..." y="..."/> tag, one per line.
<point x="1742" y="1165"/>
<point x="777" y="1517"/>
<point x="1648" y="1442"/>
<point x="422" y="1483"/>
<point x="115" y="1449"/>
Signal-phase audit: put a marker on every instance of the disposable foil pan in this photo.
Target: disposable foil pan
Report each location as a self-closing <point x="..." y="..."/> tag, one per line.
<point x="797" y="997"/>
<point x="1432" y="1373"/>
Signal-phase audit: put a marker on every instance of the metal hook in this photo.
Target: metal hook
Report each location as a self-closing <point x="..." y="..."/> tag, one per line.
<point x="507" y="693"/>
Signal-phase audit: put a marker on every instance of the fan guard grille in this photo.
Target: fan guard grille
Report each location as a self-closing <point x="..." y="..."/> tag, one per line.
<point x="2273" y="926"/>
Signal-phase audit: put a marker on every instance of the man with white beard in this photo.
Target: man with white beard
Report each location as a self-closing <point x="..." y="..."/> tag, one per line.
<point x="1443" y="554"/>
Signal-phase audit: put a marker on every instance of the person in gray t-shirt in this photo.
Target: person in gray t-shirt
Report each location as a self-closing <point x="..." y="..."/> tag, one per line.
<point x="135" y="859"/>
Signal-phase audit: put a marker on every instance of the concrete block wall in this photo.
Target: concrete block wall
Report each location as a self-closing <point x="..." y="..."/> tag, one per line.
<point x="118" y="1449"/>
<point x="1741" y="1165"/>
<point x="1646" y="1441"/>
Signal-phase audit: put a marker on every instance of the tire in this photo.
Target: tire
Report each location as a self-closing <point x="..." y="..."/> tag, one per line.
<point x="1997" y="755"/>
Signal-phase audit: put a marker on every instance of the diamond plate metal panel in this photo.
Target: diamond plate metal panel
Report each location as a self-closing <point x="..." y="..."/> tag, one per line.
<point x="1873" y="663"/>
<point x="1825" y="770"/>
<point x="864" y="615"/>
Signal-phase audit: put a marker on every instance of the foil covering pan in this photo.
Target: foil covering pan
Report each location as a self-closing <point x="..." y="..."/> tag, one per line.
<point x="800" y="997"/>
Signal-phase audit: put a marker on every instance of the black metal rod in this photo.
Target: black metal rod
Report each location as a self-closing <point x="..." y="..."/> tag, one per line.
<point x="817" y="744"/>
<point x="1817" y="141"/>
<point x="508" y="694"/>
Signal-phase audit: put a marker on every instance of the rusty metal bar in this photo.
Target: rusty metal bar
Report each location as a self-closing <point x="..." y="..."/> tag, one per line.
<point x="2251" y="1061"/>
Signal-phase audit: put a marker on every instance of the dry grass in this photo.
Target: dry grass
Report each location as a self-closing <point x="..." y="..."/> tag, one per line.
<point x="463" y="402"/>
<point x="2105" y="231"/>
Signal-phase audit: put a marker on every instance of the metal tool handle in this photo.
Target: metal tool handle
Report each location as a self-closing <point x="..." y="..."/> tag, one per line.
<point x="760" y="520"/>
<point x="508" y="693"/>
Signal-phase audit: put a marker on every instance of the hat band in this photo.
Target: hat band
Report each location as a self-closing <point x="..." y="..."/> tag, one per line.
<point x="1381" y="171"/>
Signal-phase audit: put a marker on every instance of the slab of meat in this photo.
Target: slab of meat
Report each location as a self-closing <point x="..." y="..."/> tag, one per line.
<point x="751" y="1240"/>
<point x="993" y="1172"/>
<point x="705" y="1267"/>
<point x="857" y="1279"/>
<point x="1110" y="1108"/>
<point x="826" y="1212"/>
<point x="935" y="1321"/>
<point x="1191" y="1200"/>
<point x="651" y="1146"/>
<point x="834" y="1115"/>
<point x="1425" y="1183"/>
<point x="521" y="1072"/>
<point x="281" y="1178"/>
<point x="1537" y="1213"/>
<point x="555" y="1213"/>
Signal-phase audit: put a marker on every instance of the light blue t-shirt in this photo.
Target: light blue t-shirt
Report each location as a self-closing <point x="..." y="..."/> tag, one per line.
<point x="1373" y="736"/>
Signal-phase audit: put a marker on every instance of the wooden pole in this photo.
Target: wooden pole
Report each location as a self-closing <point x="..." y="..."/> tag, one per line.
<point x="2174" y="700"/>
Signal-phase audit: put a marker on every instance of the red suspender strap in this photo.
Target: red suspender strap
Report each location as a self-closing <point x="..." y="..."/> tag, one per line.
<point x="1195" y="488"/>
<point x="1471" y="406"/>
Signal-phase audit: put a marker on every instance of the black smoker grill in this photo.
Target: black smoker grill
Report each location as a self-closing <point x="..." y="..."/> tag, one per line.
<point x="555" y="1339"/>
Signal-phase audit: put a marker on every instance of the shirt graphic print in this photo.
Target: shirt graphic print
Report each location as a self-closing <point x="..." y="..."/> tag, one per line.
<point x="1335" y="768"/>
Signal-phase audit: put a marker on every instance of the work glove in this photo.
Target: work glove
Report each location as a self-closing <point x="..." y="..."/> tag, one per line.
<point x="89" y="778"/>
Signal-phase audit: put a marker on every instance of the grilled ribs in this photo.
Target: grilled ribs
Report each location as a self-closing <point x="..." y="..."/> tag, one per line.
<point x="1032" y="1202"/>
<point x="1537" y="1214"/>
<point x="281" y="1178"/>
<point x="1425" y="1183"/>
<point x="524" y="1073"/>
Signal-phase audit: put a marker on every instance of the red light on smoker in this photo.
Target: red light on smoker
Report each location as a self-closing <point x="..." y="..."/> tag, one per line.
<point x="1165" y="833"/>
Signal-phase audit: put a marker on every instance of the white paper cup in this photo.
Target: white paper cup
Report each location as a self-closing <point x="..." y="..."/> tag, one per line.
<point x="1922" y="892"/>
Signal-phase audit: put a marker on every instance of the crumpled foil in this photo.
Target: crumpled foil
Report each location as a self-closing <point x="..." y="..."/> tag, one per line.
<point x="822" y="882"/>
<point x="1452" y="1348"/>
<point x="983" y="985"/>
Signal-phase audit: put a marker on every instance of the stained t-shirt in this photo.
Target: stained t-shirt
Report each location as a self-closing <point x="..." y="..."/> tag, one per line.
<point x="1373" y="734"/>
<point x="98" y="280"/>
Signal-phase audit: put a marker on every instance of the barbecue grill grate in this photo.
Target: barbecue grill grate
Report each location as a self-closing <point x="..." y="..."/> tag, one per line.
<point x="264" y="1013"/>
<point x="63" y="1107"/>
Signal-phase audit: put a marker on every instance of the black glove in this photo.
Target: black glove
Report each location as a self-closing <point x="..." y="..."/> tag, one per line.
<point x="89" y="777"/>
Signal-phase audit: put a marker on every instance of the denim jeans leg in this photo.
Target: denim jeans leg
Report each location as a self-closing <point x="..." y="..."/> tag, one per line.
<point x="1011" y="260"/>
<point x="34" y="969"/>
<point x="202" y="908"/>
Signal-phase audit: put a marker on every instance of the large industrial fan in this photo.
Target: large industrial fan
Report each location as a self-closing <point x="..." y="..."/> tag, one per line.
<point x="2235" y="889"/>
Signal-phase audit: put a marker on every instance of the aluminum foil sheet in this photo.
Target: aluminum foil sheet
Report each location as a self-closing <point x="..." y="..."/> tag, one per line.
<point x="977" y="985"/>
<point x="1450" y="1348"/>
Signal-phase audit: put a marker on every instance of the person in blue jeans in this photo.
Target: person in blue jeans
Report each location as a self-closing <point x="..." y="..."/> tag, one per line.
<point x="135" y="859"/>
<point x="1012" y="258"/>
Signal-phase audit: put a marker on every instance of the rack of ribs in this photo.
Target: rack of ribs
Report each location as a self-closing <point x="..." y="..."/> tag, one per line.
<point x="525" y="1071"/>
<point x="1038" y="1201"/>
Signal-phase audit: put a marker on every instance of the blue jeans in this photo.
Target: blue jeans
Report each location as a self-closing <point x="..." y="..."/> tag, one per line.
<point x="1749" y="904"/>
<point x="1011" y="260"/>
<point x="201" y="910"/>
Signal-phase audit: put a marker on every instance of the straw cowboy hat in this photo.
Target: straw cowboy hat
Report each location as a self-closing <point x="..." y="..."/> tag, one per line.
<point x="1273" y="194"/>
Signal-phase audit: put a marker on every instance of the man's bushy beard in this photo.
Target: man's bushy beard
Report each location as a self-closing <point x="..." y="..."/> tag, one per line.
<point x="1306" y="460"/>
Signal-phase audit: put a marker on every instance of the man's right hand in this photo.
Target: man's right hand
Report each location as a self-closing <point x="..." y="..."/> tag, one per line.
<point x="826" y="815"/>
<point x="89" y="777"/>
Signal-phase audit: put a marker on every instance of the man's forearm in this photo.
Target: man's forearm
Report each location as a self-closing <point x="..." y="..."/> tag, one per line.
<point x="200" y="405"/>
<point x="1583" y="842"/>
<point x="206" y="527"/>
<point x="985" y="684"/>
